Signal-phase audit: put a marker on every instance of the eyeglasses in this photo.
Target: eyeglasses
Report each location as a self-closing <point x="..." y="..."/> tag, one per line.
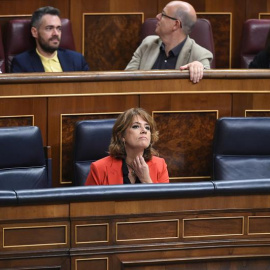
<point x="167" y="16"/>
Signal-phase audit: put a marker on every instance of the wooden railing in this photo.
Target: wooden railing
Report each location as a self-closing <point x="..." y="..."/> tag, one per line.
<point x="172" y="226"/>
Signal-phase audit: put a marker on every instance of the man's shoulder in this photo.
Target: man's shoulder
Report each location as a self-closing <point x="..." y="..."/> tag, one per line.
<point x="68" y="52"/>
<point x="25" y="54"/>
<point x="195" y="44"/>
<point x="151" y="39"/>
<point x="196" y="48"/>
<point x="263" y="54"/>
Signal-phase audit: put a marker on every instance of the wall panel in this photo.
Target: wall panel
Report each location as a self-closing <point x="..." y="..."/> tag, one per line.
<point x="111" y="46"/>
<point x="24" y="111"/>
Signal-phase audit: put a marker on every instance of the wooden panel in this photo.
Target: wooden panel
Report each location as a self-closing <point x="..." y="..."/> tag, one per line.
<point x="257" y="113"/>
<point x="185" y="142"/>
<point x="15" y="7"/>
<point x="33" y="212"/>
<point x="91" y="233"/>
<point x="22" y="120"/>
<point x="251" y="105"/>
<point x="222" y="32"/>
<point x="264" y="16"/>
<point x="238" y="18"/>
<point x="111" y="46"/>
<point x="258" y="225"/>
<point x="215" y="263"/>
<point x="91" y="263"/>
<point x="77" y="8"/>
<point x="252" y="9"/>
<point x="30" y="236"/>
<point x="38" y="263"/>
<point x="24" y="111"/>
<point x="147" y="230"/>
<point x="213" y="227"/>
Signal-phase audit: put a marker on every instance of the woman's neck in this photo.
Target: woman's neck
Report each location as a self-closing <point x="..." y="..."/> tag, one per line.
<point x="131" y="155"/>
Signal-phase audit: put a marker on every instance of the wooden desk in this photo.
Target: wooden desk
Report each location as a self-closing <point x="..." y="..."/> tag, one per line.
<point x="185" y="113"/>
<point x="143" y="233"/>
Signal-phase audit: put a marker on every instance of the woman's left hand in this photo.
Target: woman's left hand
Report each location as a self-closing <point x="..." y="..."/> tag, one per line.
<point x="141" y="169"/>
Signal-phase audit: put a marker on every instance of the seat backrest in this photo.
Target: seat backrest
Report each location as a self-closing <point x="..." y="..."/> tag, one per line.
<point x="19" y="38"/>
<point x="253" y="41"/>
<point x="91" y="142"/>
<point x="241" y="148"/>
<point x="202" y="33"/>
<point x="22" y="160"/>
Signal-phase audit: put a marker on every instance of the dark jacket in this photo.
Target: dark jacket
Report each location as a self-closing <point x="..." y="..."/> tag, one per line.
<point x="29" y="61"/>
<point x="261" y="60"/>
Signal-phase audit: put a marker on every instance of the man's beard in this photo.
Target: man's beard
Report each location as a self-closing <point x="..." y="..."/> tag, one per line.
<point x="46" y="47"/>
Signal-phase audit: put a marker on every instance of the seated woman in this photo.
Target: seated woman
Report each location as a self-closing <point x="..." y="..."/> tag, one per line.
<point x="132" y="157"/>
<point x="262" y="59"/>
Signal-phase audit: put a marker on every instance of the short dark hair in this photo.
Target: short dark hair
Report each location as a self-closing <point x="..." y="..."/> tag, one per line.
<point x="39" y="13"/>
<point x="124" y="120"/>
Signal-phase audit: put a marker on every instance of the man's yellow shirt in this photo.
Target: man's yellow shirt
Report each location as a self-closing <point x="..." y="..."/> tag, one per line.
<point x="50" y="64"/>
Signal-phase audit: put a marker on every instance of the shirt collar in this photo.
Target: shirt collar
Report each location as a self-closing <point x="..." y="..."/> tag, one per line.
<point x="176" y="50"/>
<point x="44" y="58"/>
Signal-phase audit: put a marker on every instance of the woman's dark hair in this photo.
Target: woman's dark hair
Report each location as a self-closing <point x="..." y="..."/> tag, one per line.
<point x="124" y="121"/>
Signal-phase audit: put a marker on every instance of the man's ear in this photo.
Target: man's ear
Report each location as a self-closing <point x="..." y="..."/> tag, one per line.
<point x="34" y="31"/>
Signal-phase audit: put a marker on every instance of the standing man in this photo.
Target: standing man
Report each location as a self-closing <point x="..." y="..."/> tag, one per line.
<point x="173" y="48"/>
<point x="47" y="56"/>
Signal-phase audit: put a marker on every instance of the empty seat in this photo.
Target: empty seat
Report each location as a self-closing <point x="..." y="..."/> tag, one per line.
<point x="19" y="38"/>
<point x="254" y="36"/>
<point x="91" y="142"/>
<point x="201" y="33"/>
<point x="23" y="164"/>
<point x="241" y="148"/>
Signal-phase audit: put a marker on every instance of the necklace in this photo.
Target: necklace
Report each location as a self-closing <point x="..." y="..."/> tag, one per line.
<point x="131" y="170"/>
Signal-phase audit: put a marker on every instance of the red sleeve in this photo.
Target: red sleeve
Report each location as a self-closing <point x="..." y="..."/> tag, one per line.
<point x="93" y="176"/>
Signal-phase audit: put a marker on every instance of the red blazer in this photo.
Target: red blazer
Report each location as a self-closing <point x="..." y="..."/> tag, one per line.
<point x="108" y="171"/>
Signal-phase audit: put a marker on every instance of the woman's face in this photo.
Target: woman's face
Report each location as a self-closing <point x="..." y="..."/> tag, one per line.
<point x="138" y="135"/>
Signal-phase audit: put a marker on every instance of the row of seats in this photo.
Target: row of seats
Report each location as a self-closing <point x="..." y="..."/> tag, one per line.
<point x="241" y="150"/>
<point x="18" y="38"/>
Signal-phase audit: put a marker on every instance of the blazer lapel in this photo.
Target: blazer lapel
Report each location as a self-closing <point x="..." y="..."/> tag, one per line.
<point x="36" y="62"/>
<point x="152" y="169"/>
<point x="184" y="54"/>
<point x="65" y="60"/>
<point x="152" y="56"/>
<point x="115" y="171"/>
